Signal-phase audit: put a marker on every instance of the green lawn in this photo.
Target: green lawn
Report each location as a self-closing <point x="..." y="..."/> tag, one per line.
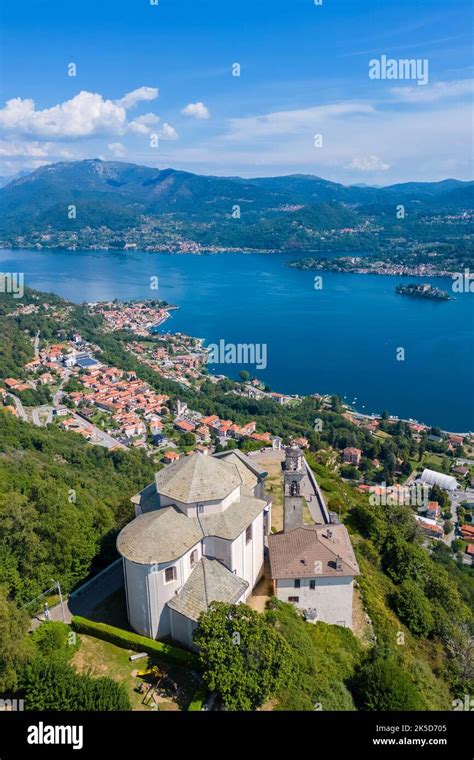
<point x="100" y="658"/>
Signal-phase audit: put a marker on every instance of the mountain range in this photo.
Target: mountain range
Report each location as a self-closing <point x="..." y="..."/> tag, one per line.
<point x="122" y="196"/>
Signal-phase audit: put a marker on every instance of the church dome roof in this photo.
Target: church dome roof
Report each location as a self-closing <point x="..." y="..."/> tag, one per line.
<point x="198" y="478"/>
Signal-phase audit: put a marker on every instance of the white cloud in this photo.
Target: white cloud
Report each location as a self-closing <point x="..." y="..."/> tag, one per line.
<point x="196" y="111"/>
<point x="141" y="124"/>
<point x="168" y="132"/>
<point x="117" y="149"/>
<point x="85" y="115"/>
<point x="368" y="164"/>
<point x="433" y="92"/>
<point x="426" y="144"/>
<point x="33" y="150"/>
<point x="293" y="122"/>
<point x="136" y="96"/>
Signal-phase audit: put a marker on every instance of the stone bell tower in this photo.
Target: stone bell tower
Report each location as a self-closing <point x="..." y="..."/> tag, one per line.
<point x="293" y="500"/>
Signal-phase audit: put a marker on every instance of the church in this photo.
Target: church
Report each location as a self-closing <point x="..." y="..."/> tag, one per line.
<point x="312" y="566"/>
<point x="198" y="536"/>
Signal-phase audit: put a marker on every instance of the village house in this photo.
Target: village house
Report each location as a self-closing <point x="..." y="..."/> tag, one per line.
<point x="170" y="456"/>
<point x="430" y="527"/>
<point x="303" y="443"/>
<point x="198" y="537"/>
<point x="434" y="510"/>
<point x="351" y="455"/>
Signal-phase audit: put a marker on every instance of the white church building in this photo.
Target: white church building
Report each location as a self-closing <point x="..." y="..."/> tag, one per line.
<point x="198" y="536"/>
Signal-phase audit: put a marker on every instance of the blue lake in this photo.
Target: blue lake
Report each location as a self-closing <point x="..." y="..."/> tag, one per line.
<point x="340" y="339"/>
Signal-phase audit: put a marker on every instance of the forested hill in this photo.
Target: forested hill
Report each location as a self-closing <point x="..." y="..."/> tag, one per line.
<point x="165" y="207"/>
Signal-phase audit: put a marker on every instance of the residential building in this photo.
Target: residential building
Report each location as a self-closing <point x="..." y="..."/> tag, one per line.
<point x="351" y="455"/>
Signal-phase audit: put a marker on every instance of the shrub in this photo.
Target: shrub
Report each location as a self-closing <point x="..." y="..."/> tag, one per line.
<point x="50" y="684"/>
<point x="129" y="640"/>
<point x="382" y="684"/>
<point x="54" y="638"/>
<point x="413" y="608"/>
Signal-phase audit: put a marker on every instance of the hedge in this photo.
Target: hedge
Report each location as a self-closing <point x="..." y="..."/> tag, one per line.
<point x="129" y="640"/>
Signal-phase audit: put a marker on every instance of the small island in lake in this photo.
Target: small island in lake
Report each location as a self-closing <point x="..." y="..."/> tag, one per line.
<point x="423" y="290"/>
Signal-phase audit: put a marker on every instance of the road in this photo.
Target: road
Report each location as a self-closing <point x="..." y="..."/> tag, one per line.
<point x="86" y="598"/>
<point x="39" y="411"/>
<point x="36" y="344"/>
<point x="20" y="410"/>
<point x="312" y="494"/>
<point x="60" y="393"/>
<point x="99" y="437"/>
<point x="314" y="498"/>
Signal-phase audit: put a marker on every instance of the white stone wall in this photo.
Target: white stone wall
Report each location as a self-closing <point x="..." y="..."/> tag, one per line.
<point x="210" y="507"/>
<point x="182" y="629"/>
<point x="136" y="594"/>
<point x="247" y="558"/>
<point x="148" y="593"/>
<point x="218" y="548"/>
<point x="332" y="597"/>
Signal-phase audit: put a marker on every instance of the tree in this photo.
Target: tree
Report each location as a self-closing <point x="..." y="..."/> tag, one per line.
<point x="382" y="684"/>
<point x="16" y="649"/>
<point x="413" y="608"/>
<point x="460" y="645"/>
<point x="243" y="657"/>
<point x="54" y="638"/>
<point x="448" y="527"/>
<point x="437" y="494"/>
<point x="244" y="375"/>
<point x="52" y="684"/>
<point x="402" y="560"/>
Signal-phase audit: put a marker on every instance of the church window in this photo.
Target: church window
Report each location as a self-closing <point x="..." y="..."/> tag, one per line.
<point x="248" y="534"/>
<point x="312" y="585"/>
<point x="297" y="582"/>
<point x="170" y="574"/>
<point x="294" y="599"/>
<point x="194" y="557"/>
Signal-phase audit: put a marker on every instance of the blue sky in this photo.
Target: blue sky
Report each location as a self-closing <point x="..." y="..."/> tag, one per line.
<point x="154" y="85"/>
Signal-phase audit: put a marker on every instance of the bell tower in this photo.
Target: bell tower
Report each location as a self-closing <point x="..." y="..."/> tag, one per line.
<point x="293" y="500"/>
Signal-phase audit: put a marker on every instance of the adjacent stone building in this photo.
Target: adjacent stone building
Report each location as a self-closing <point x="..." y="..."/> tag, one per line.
<point x="312" y="566"/>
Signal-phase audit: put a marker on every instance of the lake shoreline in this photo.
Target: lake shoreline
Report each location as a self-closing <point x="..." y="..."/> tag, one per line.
<point x="340" y="340"/>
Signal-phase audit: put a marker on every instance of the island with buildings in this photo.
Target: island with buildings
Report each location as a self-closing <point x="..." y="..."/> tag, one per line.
<point x="423" y="290"/>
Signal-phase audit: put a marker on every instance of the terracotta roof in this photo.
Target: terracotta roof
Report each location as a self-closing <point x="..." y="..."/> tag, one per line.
<point x="312" y="550"/>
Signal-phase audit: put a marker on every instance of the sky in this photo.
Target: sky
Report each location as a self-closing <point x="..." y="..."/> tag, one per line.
<point x="241" y="87"/>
